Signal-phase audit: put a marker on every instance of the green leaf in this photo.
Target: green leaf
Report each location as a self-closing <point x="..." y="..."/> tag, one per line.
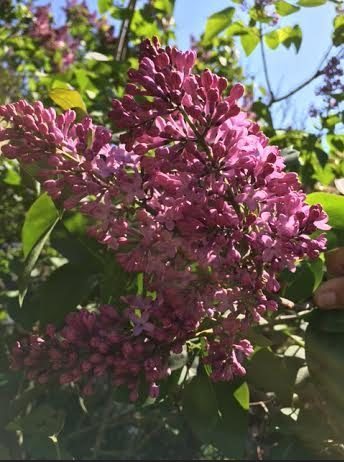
<point x="104" y="5"/>
<point x="311" y="3"/>
<point x="250" y="40"/>
<point x="333" y="205"/>
<point x="218" y="413"/>
<point x="286" y="35"/>
<point x="217" y="22"/>
<point x="242" y="395"/>
<point x="291" y="36"/>
<point x="65" y="289"/>
<point x="338" y="33"/>
<point x="262" y="111"/>
<point x="237" y="28"/>
<point x="96" y="56"/>
<point x="272" y="39"/>
<point x="335" y="142"/>
<point x="70" y="240"/>
<point x="230" y="433"/>
<point x="301" y="284"/>
<point x="255" y="336"/>
<point x="284" y="8"/>
<point x="43" y="420"/>
<point x="115" y="282"/>
<point x="318" y="268"/>
<point x="67" y="99"/>
<point x="272" y="373"/>
<point x="12" y="175"/>
<point x="165" y="6"/>
<point x="327" y="321"/>
<point x="39" y="218"/>
<point x="200" y="406"/>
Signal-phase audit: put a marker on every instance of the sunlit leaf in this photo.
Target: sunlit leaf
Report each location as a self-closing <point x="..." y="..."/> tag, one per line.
<point x="284" y="8"/>
<point x="242" y="395"/>
<point x="38" y="219"/>
<point x="338" y="33"/>
<point x="291" y="36"/>
<point x="218" y="22"/>
<point x="333" y="205"/>
<point x="310" y="3"/>
<point x="250" y="40"/>
<point x="96" y="56"/>
<point x="67" y="99"/>
<point x="272" y="39"/>
<point x="104" y="5"/>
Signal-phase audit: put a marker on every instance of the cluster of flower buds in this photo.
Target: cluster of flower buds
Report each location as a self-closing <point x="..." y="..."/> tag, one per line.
<point x="194" y="198"/>
<point x="53" y="38"/>
<point x="80" y="15"/>
<point x="332" y="86"/>
<point x="60" y="38"/>
<point x="333" y="79"/>
<point x="123" y="347"/>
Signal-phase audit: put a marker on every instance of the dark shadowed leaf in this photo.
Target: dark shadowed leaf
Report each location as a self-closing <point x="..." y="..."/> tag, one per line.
<point x="200" y="406"/>
<point x="301" y="284"/>
<point x="61" y="293"/>
<point x="231" y="430"/>
<point x="273" y="373"/>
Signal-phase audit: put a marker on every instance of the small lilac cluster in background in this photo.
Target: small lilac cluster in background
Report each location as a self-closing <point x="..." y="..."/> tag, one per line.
<point x="268" y="8"/>
<point x="333" y="79"/>
<point x="59" y="38"/>
<point x="333" y="84"/>
<point x="194" y="198"/>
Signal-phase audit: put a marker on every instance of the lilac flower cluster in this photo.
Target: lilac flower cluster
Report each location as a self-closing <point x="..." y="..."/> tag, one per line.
<point x="194" y="198"/>
<point x="332" y="85"/>
<point x="60" y="38"/>
<point x="125" y="347"/>
<point x="333" y="82"/>
<point x="53" y="38"/>
<point x="268" y="9"/>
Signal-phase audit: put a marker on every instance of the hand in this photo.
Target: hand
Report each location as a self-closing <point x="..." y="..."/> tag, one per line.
<point x="330" y="294"/>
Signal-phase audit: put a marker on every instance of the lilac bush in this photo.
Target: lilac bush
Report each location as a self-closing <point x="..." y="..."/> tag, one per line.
<point x="194" y="198"/>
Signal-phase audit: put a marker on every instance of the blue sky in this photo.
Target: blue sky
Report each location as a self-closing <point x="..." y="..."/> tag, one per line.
<point x="286" y="68"/>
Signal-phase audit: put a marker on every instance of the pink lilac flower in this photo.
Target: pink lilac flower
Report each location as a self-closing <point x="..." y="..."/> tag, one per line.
<point x="53" y="38"/>
<point x="195" y="198"/>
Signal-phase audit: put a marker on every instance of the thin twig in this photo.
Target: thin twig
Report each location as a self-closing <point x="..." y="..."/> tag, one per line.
<point x="112" y="422"/>
<point x="103" y="425"/>
<point x="285" y="302"/>
<point x="265" y="64"/>
<point x="123" y="35"/>
<point x="314" y="76"/>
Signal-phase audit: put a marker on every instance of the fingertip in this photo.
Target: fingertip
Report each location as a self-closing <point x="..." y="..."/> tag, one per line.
<point x="330" y="294"/>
